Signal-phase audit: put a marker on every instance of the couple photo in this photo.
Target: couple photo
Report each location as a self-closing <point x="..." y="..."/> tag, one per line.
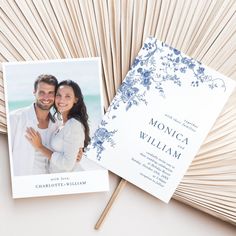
<point x="54" y="108"/>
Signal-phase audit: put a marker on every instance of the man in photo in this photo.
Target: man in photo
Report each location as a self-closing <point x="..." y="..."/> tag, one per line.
<point x="27" y="161"/>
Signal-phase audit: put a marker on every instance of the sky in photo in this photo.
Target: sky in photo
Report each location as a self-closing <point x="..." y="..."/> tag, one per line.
<point x="19" y="77"/>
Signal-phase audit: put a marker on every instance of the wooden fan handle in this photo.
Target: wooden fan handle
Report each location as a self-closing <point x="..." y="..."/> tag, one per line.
<point x="114" y="196"/>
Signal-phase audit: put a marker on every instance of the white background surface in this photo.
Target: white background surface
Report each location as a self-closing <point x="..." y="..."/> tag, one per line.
<point x="134" y="213"/>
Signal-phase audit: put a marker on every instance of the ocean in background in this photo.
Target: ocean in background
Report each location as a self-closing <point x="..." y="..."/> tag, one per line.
<point x="93" y="104"/>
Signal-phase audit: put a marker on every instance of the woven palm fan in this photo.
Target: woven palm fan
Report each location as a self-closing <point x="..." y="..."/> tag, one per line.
<point x="115" y="30"/>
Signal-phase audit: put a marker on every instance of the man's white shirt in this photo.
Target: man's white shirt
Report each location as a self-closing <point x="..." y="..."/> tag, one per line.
<point x="23" y="153"/>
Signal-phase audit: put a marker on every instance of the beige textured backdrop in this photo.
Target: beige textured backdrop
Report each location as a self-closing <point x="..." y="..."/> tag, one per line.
<point x="115" y="30"/>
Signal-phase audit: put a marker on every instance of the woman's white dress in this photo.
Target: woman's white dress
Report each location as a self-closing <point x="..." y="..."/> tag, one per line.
<point x="65" y="144"/>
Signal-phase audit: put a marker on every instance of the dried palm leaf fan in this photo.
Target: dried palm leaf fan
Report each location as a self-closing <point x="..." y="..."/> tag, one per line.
<point x="115" y="30"/>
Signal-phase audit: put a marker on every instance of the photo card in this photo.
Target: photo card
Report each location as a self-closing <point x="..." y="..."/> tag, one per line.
<point x="53" y="109"/>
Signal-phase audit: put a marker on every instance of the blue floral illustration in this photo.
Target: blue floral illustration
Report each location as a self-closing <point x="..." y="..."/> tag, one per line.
<point x="128" y="94"/>
<point x="175" y="62"/>
<point x="146" y="77"/>
<point x="102" y="136"/>
<point x="127" y="91"/>
<point x="156" y="64"/>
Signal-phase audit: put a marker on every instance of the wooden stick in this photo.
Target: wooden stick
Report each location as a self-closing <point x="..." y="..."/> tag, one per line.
<point x="115" y="194"/>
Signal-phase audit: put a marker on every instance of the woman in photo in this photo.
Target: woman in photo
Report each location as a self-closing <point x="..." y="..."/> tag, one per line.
<point x="71" y="136"/>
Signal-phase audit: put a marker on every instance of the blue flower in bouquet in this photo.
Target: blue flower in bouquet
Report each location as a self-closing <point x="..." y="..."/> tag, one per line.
<point x="191" y="65"/>
<point x="148" y="46"/>
<point x="146" y="82"/>
<point x="176" y="52"/>
<point x="145" y="74"/>
<point x="127" y="91"/>
<point x="100" y="135"/>
<point x="185" y="60"/>
<point x="146" y="78"/>
<point x="136" y="62"/>
<point x="139" y="70"/>
<point x="201" y="70"/>
<point x="183" y="69"/>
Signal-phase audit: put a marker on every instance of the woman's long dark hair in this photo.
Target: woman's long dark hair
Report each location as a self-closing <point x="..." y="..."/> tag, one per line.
<point x="79" y="110"/>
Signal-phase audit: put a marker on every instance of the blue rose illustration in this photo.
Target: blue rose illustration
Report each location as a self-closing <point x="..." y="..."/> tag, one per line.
<point x="146" y="82"/>
<point x="136" y="61"/>
<point x="200" y="70"/>
<point x="127" y="91"/>
<point x="101" y="135"/>
<point x="176" y="52"/>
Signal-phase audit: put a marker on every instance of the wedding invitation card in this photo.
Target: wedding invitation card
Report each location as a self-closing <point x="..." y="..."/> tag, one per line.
<point x="159" y="118"/>
<point x="33" y="101"/>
